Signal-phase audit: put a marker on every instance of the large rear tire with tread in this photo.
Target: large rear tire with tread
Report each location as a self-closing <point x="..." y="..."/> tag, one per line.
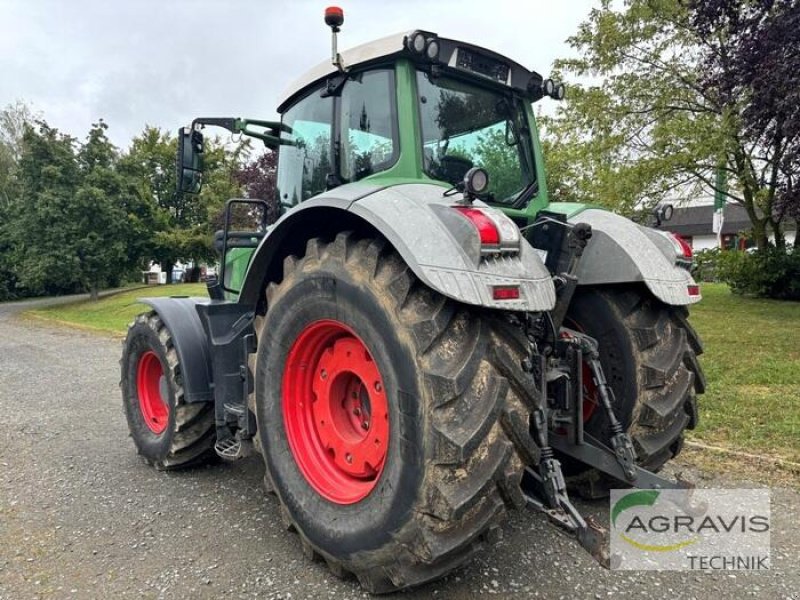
<point x="168" y="432"/>
<point x="438" y="488"/>
<point x="648" y="352"/>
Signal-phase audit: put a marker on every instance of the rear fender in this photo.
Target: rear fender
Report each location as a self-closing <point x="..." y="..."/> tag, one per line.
<point x="439" y="246"/>
<point x="180" y="316"/>
<point x="622" y="251"/>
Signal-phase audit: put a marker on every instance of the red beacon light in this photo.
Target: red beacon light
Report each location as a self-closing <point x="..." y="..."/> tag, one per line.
<point x="334" y="17"/>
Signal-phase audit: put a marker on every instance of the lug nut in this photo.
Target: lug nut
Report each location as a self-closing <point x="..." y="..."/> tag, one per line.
<point x="356" y="411"/>
<point x="365" y="425"/>
<point x="348" y="457"/>
<point x="378" y="386"/>
<point x="323" y="374"/>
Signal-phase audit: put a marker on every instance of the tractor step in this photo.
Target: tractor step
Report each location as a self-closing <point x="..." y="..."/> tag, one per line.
<point x="233" y="449"/>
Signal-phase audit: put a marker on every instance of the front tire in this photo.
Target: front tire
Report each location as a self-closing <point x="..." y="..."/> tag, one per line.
<point x="168" y="432"/>
<point x="442" y="471"/>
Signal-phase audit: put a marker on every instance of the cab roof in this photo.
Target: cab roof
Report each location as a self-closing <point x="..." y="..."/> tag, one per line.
<point x="393" y="45"/>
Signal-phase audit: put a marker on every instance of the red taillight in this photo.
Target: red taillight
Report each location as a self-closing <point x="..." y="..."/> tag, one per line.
<point x="686" y="249"/>
<point x="505" y="292"/>
<point x="489" y="234"/>
<point x="694" y="290"/>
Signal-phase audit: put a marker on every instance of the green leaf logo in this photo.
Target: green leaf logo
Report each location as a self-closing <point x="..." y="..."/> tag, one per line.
<point x="643" y="498"/>
<point x="638" y="498"/>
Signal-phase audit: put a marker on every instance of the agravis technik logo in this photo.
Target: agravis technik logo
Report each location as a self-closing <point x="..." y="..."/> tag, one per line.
<point x="701" y="529"/>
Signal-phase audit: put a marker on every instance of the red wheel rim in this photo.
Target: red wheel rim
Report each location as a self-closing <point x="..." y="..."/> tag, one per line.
<point x="152" y="388"/>
<point x="335" y="412"/>
<point x="591" y="397"/>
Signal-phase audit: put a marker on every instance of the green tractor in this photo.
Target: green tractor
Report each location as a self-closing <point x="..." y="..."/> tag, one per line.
<point x="422" y="341"/>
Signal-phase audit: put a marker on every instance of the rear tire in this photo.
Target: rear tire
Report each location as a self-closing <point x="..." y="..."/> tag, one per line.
<point x="450" y="470"/>
<point x="168" y="432"/>
<point x="648" y="352"/>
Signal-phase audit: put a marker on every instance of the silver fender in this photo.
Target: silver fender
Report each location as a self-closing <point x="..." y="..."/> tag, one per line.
<point x="438" y="245"/>
<point x="622" y="251"/>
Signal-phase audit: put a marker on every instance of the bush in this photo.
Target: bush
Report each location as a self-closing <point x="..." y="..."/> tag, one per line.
<point x="771" y="273"/>
<point x="704" y="267"/>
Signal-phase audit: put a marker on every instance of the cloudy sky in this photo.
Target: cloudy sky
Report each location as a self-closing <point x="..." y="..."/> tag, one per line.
<point x="163" y="62"/>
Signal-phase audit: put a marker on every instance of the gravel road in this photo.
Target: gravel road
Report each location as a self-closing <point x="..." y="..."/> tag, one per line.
<point x="82" y="517"/>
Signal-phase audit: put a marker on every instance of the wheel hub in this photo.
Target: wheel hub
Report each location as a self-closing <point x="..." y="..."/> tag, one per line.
<point x="335" y="412"/>
<point x="151" y="385"/>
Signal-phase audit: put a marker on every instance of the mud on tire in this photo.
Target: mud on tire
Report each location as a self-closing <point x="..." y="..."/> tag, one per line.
<point x="183" y="434"/>
<point x="451" y="469"/>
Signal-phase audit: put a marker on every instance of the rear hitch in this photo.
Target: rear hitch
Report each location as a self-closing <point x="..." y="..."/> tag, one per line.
<point x="557" y="425"/>
<point x="548" y="484"/>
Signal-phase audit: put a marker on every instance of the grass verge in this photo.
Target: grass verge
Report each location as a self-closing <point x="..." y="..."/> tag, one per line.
<point x="752" y="362"/>
<point x="113" y="313"/>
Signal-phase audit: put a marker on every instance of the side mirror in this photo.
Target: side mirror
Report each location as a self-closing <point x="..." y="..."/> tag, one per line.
<point x="190" y="161"/>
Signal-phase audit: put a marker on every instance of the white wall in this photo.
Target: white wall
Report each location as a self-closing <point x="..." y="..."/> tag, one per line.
<point x="704" y="242"/>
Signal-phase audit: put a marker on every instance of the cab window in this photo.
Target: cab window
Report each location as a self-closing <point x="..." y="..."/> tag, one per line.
<point x="304" y="159"/>
<point x="465" y="126"/>
<point x="368" y="118"/>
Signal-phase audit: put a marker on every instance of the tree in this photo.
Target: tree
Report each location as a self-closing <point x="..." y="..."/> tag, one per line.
<point x="149" y="165"/>
<point x="48" y="179"/>
<point x="180" y="225"/>
<point x="97" y="220"/>
<point x="12" y="121"/>
<point x="653" y="124"/>
<point x="753" y="65"/>
<point x="68" y="231"/>
<point x="258" y="177"/>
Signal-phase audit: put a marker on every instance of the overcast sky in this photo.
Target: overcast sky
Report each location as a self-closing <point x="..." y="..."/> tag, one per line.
<point x="163" y="62"/>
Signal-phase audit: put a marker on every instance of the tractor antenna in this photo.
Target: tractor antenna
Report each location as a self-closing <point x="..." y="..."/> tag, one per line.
<point x="334" y="17"/>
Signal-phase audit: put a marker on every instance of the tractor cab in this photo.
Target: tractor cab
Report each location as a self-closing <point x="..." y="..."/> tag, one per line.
<point x="413" y="107"/>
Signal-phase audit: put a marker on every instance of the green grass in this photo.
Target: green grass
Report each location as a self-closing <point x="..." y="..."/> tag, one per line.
<point x="114" y="313"/>
<point x="752" y="362"/>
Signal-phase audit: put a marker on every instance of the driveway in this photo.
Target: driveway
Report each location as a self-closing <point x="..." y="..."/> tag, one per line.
<point x="82" y="517"/>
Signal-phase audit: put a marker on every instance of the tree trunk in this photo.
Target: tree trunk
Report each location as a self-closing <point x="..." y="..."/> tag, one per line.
<point x="94" y="292"/>
<point x="749" y="189"/>
<point x="780" y="238"/>
<point x="760" y="234"/>
<point x="168" y="266"/>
